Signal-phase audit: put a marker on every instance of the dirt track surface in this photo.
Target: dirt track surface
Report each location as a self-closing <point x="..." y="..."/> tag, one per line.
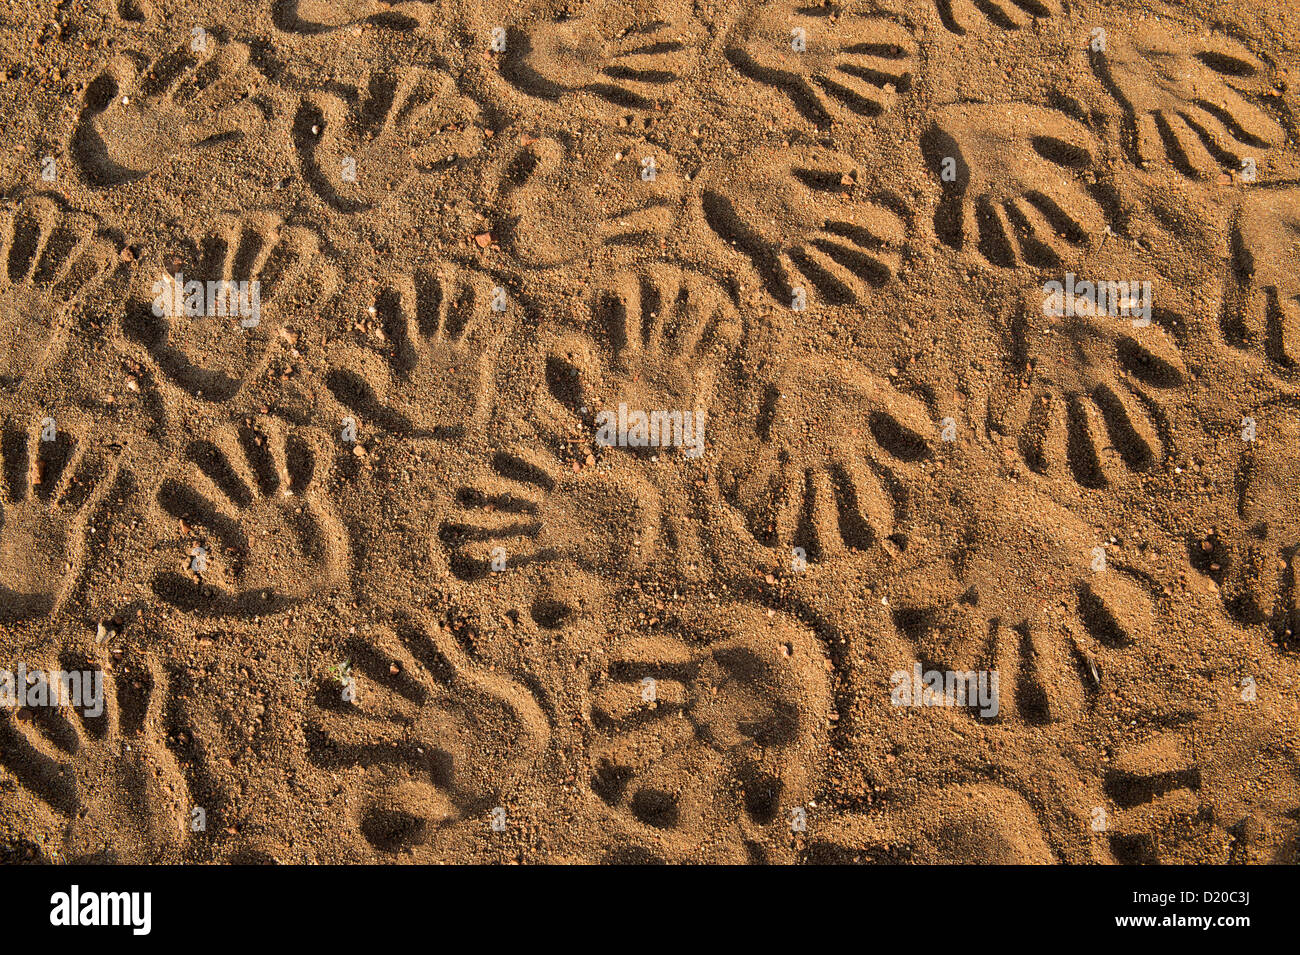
<point x="363" y="578"/>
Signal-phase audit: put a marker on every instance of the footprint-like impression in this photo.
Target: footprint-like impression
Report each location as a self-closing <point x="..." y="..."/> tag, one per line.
<point x="639" y="67"/>
<point x="138" y="118"/>
<point x="427" y="369"/>
<point x="438" y="736"/>
<point x="51" y="258"/>
<point x="818" y="464"/>
<point x="1013" y="182"/>
<point x="1189" y="101"/>
<point x="213" y="332"/>
<point x="557" y="209"/>
<point x="832" y="65"/>
<point x="368" y="146"/>
<point x="723" y="729"/>
<point x="253" y="533"/>
<point x="801" y="218"/>
<point x="1085" y="396"/>
<point x="98" y="771"/>
<point x="53" y="478"/>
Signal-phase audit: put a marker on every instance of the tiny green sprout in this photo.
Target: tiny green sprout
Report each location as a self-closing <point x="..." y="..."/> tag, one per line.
<point x="340" y="673"/>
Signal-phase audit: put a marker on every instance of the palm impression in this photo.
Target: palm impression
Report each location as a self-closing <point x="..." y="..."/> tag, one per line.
<point x="248" y="529"/>
<point x="555" y="212"/>
<point x="53" y="477"/>
<point x="724" y="726"/>
<point x="1262" y="305"/>
<point x="51" y="258"/>
<point x="832" y="65"/>
<point x="1189" y="101"/>
<point x="1084" y="395"/>
<point x="1013" y="180"/>
<point x="818" y="464"/>
<point x="1254" y="562"/>
<point x="139" y="119"/>
<point x="377" y="143"/>
<point x="98" y="770"/>
<point x="438" y="736"/>
<point x="659" y="340"/>
<point x="1058" y="629"/>
<point x="211" y="332"/>
<point x="638" y="67"/>
<point x="432" y="337"/>
<point x="803" y="221"/>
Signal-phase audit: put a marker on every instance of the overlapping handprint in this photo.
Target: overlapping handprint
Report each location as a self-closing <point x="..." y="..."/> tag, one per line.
<point x="438" y="736"/>
<point x="1190" y="101"/>
<point x="655" y="339"/>
<point x="724" y="727"/>
<point x="254" y="533"/>
<point x="1084" y="393"/>
<point x="1035" y="598"/>
<point x="140" y="118"/>
<point x="51" y="259"/>
<point x="832" y="64"/>
<point x="803" y="221"/>
<point x="1013" y="182"/>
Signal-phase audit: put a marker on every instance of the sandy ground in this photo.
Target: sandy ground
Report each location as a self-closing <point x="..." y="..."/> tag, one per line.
<point x="362" y="576"/>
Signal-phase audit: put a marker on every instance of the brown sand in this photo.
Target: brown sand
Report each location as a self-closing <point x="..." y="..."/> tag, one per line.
<point x="476" y="633"/>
